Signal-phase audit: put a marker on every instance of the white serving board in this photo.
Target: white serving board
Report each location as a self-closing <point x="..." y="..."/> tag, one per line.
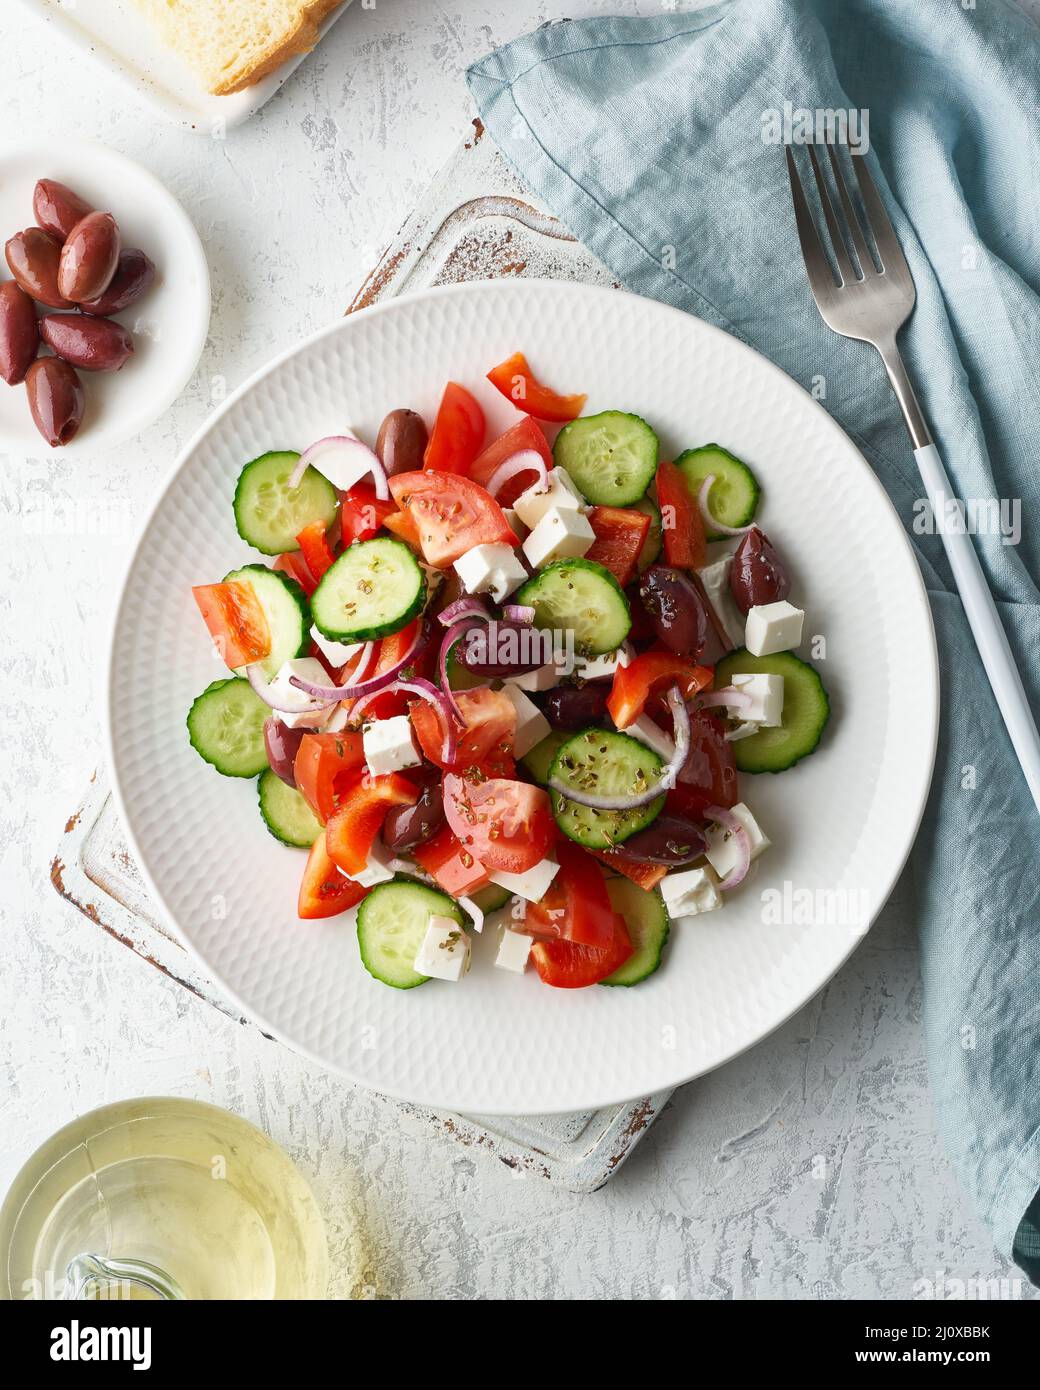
<point x="116" y="34"/>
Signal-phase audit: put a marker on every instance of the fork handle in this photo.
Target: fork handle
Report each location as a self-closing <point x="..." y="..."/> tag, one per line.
<point x="984" y="620"/>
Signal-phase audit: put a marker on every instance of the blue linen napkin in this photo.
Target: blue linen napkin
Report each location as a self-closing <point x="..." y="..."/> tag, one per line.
<point x="649" y="134"/>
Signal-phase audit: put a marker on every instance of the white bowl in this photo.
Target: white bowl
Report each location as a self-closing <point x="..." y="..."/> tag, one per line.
<point x="843" y="820"/>
<point x="169" y="322"/>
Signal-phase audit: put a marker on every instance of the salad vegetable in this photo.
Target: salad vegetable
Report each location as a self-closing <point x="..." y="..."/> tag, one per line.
<point x="507" y="684"/>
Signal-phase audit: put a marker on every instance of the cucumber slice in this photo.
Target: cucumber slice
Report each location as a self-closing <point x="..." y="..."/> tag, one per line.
<point x="287" y="612"/>
<point x="491" y="898"/>
<point x="286" y="813"/>
<point x="226" y="728"/>
<point x="654" y="537"/>
<point x="582" y="597"/>
<point x="734" y="494"/>
<point x="611" y="457"/>
<point x="538" y="760"/>
<point x="391" y="924"/>
<point x="647" y="922"/>
<point x="373" y="589"/>
<point x="613" y="764"/>
<point x="806" y="711"/>
<point x="269" y="514"/>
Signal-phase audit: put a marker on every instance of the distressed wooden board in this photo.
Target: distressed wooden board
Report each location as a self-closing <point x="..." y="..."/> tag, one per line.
<point x="476" y="222"/>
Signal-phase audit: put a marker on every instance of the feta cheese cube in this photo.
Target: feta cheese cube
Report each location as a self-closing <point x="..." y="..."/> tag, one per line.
<point x="296" y="709"/>
<point x="715" y="579"/>
<point x="767" y="698"/>
<point x="380" y="868"/>
<point x="389" y="745"/>
<point x="337" y="720"/>
<point x="531" y="724"/>
<point x="336" y="653"/>
<point x="559" y="491"/>
<point x="646" y="731"/>
<point x="532" y="884"/>
<point x="690" y="893"/>
<point x="513" y="951"/>
<point x="516" y="525"/>
<point x="490" y="569"/>
<point x="594" y="668"/>
<point x="445" y="951"/>
<point x="744" y="730"/>
<point x="560" y="535"/>
<point x="773" y="627"/>
<point x="721" y="852"/>
<point x="542" y="678"/>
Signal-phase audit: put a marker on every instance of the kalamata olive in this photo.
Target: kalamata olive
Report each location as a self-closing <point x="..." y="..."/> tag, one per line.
<point x="406" y="827"/>
<point x="282" y="744"/>
<point x="56" y="399"/>
<point x="676" y="610"/>
<point x="134" y="274"/>
<point x="757" y="574"/>
<point x="93" y="345"/>
<point x="670" y="839"/>
<point x="19" y="335"/>
<point x="576" y="706"/>
<point x="89" y="257"/>
<point x="56" y="208"/>
<point x="401" y="441"/>
<point x="509" y="650"/>
<point x="34" y="256"/>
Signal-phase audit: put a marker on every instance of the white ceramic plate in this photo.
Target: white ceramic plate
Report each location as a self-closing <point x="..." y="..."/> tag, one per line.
<point x="116" y="34"/>
<point x="169" y="322"/>
<point x="843" y="820"/>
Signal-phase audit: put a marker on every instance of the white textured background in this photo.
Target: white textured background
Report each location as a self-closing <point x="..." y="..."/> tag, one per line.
<point x="808" y="1168"/>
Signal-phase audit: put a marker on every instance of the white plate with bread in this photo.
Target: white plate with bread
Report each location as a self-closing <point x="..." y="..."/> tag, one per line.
<point x="209" y="64"/>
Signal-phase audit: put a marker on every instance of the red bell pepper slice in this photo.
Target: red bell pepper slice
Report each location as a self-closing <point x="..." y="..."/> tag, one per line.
<point x="620" y="536"/>
<point x="236" y="621"/>
<point x="458" y="432"/>
<point x="518" y="384"/>
<point x="316" y="550"/>
<point x="682" y="526"/>
<point x="294" y="565"/>
<point x="525" y="434"/>
<point x="321" y="768"/>
<point x="634" y="683"/>
<point x="362" y="513"/>
<point x="324" y="892"/>
<point x="572" y="965"/>
<point x="359" y="817"/>
<point x="643" y="875"/>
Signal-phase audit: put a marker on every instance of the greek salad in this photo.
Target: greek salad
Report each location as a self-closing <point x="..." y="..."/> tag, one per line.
<point x="507" y="686"/>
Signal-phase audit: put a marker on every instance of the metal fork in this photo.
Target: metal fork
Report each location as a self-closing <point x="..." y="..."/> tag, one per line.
<point x="872" y="306"/>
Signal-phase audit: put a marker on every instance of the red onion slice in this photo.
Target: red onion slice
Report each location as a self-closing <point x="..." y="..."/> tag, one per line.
<point x="669" y="773"/>
<point x="730" y="823"/>
<point x="344" y="460"/>
<point x="526" y="461"/>
<point x="521" y="613"/>
<point x="426" y="691"/>
<point x="725" y="695"/>
<point x="262" y="687"/>
<point x="372" y="686"/>
<point x="468" y="607"/>
<point x="716" y="525"/>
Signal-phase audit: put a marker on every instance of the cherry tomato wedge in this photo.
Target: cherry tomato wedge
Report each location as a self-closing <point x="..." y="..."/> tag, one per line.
<point x="236" y="621"/>
<point x="634" y="683"/>
<point x="518" y="383"/>
<point x="324" y="891"/>
<point x="323" y="766"/>
<point x="458" y="432"/>
<point x="682" y="527"/>
<point x="451" y="864"/>
<point x="527" y="434"/>
<point x="506" y="824"/>
<point x="294" y="565"/>
<point x="362" y="513"/>
<point x="485" y="743"/>
<point x="402" y="525"/>
<point x="315" y="548"/>
<point x="570" y="965"/>
<point x="359" y="817"/>
<point x="451" y="514"/>
<point x="620" y="534"/>
<point x="644" y="875"/>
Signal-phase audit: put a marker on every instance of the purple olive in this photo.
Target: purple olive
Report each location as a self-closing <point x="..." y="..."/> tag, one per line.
<point x="89" y="257"/>
<point x="676" y="610"/>
<point x="282" y="744"/>
<point x="134" y="274"/>
<point x="19" y="333"/>
<point x="577" y="706"/>
<point x="401" y="441"/>
<point x="670" y="839"/>
<point x="509" y="650"/>
<point x="56" y="208"/>
<point x="757" y="574"/>
<point x="34" y="257"/>
<point x="407" y="827"/>
<point x="56" y="399"/>
<point x="93" y="345"/>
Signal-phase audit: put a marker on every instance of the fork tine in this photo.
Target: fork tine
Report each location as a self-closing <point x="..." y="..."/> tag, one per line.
<point x="866" y="261"/>
<point x="821" y="277"/>
<point x="890" y="253"/>
<point x="841" y="255"/>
